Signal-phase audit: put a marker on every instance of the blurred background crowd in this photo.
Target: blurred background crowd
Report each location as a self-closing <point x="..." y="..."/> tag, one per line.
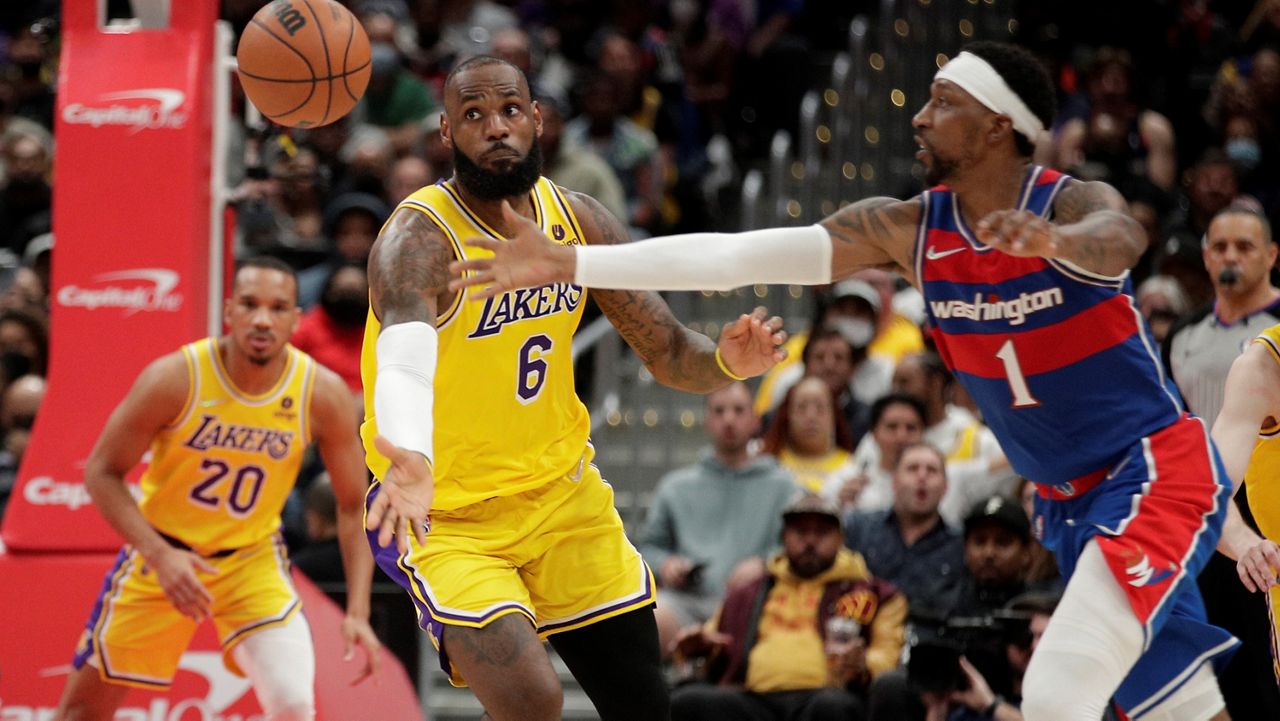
<point x="659" y="108"/>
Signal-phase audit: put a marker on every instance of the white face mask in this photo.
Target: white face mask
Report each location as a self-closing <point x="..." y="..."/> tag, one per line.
<point x="857" y="331"/>
<point x="684" y="12"/>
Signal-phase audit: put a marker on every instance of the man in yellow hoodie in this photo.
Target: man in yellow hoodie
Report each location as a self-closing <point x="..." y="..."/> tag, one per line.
<point x="803" y="642"/>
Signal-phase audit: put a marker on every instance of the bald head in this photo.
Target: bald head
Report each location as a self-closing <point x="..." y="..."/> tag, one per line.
<point x="460" y="82"/>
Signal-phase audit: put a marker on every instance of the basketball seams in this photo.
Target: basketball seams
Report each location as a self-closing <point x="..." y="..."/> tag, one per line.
<point x="328" y="61"/>
<point x="286" y="91"/>
<point x="346" y="56"/>
<point x="292" y="49"/>
<point x="343" y="75"/>
<point x="311" y="92"/>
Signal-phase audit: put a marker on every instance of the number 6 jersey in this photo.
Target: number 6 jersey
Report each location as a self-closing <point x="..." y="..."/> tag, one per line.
<point x="1058" y="359"/>
<point x="220" y="474"/>
<point x="507" y="418"/>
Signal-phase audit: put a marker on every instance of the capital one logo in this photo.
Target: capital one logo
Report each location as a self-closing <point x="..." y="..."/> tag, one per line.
<point x="45" y="491"/>
<point x="141" y="109"/>
<point x="151" y="289"/>
<point x="225" y="691"/>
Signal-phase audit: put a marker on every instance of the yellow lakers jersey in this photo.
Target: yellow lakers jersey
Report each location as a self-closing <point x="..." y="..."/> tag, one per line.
<point x="1262" y="477"/>
<point x="506" y="416"/>
<point x="219" y="474"/>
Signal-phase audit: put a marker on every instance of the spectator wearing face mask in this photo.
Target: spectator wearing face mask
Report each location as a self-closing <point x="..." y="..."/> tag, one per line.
<point x="853" y="312"/>
<point x="333" y="331"/>
<point x="351" y="222"/>
<point x="24" y="342"/>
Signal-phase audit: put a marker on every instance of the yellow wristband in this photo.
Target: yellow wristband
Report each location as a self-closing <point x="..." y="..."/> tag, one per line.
<point x="724" y="368"/>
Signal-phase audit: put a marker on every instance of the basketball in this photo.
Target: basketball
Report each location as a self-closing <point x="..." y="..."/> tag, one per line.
<point x="304" y="63"/>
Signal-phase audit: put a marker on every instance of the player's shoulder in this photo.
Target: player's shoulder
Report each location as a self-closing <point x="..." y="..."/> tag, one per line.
<point x="165" y="382"/>
<point x="330" y="396"/>
<point x="599" y="226"/>
<point x="1267" y="343"/>
<point x="171" y="367"/>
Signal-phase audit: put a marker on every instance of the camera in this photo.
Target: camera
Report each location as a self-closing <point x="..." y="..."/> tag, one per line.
<point x="935" y="644"/>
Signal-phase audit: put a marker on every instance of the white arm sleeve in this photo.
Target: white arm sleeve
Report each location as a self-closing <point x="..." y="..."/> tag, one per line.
<point x="403" y="394"/>
<point x="709" y="261"/>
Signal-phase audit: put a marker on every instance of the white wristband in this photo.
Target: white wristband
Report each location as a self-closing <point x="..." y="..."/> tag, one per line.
<point x="404" y="391"/>
<point x="709" y="261"/>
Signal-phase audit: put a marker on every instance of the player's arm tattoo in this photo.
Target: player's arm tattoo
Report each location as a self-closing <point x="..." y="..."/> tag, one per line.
<point x="874" y="233"/>
<point x="409" y="269"/>
<point x="677" y="356"/>
<point x="1096" y="231"/>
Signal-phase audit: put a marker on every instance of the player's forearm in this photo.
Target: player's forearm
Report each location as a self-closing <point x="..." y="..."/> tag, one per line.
<point x="357" y="562"/>
<point x="691" y="365"/>
<point x="706" y="261"/>
<point x="1107" y="242"/>
<point x="1237" y="537"/>
<point x="111" y="495"/>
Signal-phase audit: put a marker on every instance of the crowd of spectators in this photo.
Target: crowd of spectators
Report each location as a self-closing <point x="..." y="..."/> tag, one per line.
<point x="656" y="108"/>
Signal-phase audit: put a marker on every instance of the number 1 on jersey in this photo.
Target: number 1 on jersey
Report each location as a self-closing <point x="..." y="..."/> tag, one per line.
<point x="1022" y="397"/>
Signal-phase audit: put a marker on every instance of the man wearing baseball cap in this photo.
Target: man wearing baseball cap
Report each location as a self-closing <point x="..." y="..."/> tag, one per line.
<point x="773" y="653"/>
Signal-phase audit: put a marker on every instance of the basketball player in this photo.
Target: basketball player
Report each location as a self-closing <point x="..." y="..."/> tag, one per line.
<point x="471" y="417"/>
<point x="1247" y="432"/>
<point x="226" y="421"/>
<point x="1025" y="277"/>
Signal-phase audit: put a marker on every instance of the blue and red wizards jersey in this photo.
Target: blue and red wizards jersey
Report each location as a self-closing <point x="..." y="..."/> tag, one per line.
<point x="1058" y="358"/>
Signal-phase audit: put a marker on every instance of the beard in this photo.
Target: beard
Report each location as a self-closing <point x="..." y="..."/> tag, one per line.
<point x="518" y="179"/>
<point x="938" y="172"/>
<point x="809" y="564"/>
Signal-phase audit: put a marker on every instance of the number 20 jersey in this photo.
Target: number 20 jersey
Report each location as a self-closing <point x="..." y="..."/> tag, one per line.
<point x="1058" y="359"/>
<point x="220" y="474"/>
<point x="507" y="418"/>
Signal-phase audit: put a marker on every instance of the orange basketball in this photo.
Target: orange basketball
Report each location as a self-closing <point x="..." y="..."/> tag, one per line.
<point x="304" y="63"/>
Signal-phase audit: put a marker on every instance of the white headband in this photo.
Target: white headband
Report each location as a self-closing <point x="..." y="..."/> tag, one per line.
<point x="980" y="80"/>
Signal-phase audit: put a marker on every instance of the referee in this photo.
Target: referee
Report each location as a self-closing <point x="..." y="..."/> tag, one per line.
<point x="1239" y="254"/>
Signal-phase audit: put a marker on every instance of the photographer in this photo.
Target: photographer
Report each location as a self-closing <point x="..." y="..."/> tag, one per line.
<point x="972" y="623"/>
<point x="976" y="701"/>
<point x="803" y="642"/>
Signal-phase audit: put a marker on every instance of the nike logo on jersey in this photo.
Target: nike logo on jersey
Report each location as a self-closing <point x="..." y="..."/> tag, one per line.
<point x="933" y="253"/>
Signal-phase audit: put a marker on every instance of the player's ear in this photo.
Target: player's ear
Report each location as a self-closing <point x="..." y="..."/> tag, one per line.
<point x="537" y="119"/>
<point x="1001" y="125"/>
<point x="446" y="133"/>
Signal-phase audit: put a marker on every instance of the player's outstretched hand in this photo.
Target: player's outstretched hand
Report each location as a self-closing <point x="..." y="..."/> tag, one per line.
<point x="356" y="631"/>
<point x="404" y="500"/>
<point x="1019" y="232"/>
<point x="752" y="345"/>
<point x="176" y="571"/>
<point x="1257" y="567"/>
<point x="527" y="260"/>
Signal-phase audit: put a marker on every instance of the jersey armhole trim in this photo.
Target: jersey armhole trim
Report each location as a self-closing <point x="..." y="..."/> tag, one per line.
<point x="442" y="317"/>
<point x="308" y="388"/>
<point x="922" y="235"/>
<point x="1270" y="345"/>
<point x="1075" y="272"/>
<point x="193" y="386"/>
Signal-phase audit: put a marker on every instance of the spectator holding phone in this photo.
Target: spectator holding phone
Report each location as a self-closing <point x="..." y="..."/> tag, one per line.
<point x="708" y="518"/>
